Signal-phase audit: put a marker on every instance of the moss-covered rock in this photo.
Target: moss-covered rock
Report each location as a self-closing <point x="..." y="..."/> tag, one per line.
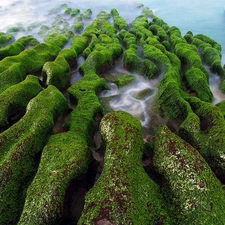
<point x="68" y="11"/>
<point x="148" y="12"/>
<point x="120" y="79"/>
<point x="75" y="12"/>
<point x="140" y="28"/>
<point x="119" y="22"/>
<point x="79" y="43"/>
<point x="171" y="97"/>
<point x="18" y="46"/>
<point x="158" y="31"/>
<point x="157" y="56"/>
<point x="123" y="194"/>
<point x="204" y="129"/>
<point x="195" y="195"/>
<point x="72" y="151"/>
<point x="57" y="73"/>
<point x="196" y="75"/>
<point x="14" y="100"/>
<point x="144" y="93"/>
<point x="134" y="63"/>
<point x="196" y="82"/>
<point x="210" y="52"/>
<point x="64" y="159"/>
<point x="129" y="39"/>
<point x="14" y="69"/>
<point x="21" y="146"/>
<point x="5" y="38"/>
<point x="221" y="106"/>
<point x="77" y="25"/>
<point x="103" y="55"/>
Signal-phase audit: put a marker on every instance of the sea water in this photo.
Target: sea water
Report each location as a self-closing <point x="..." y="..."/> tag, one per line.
<point x="202" y="16"/>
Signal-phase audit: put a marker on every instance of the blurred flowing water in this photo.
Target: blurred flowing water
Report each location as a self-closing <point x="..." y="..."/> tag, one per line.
<point x="202" y="16"/>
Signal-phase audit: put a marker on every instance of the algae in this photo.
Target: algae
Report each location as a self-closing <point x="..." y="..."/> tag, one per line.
<point x="123" y="194"/>
<point x="195" y="195"/>
<point x="21" y="146"/>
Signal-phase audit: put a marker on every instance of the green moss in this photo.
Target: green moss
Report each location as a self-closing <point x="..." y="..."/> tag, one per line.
<point x="189" y="37"/>
<point x="167" y="45"/>
<point x="123" y="194"/>
<point x="43" y="30"/>
<point x="64" y="159"/>
<point x="158" y="31"/>
<point x="15" y="99"/>
<point x="135" y="64"/>
<point x="120" y="79"/>
<point x="195" y="195"/>
<point x="96" y="60"/>
<point x="14" y="69"/>
<point x="157" y="56"/>
<point x="143" y="93"/>
<point x="89" y="83"/>
<point x="87" y="14"/>
<point x="188" y="54"/>
<point x="5" y="38"/>
<point x="109" y="29"/>
<point x="75" y="12"/>
<point x="140" y="28"/>
<point x="154" y="40"/>
<point x="119" y="22"/>
<point x="206" y="133"/>
<point x="57" y="73"/>
<point x="128" y="39"/>
<point x="175" y="36"/>
<point x="221" y="106"/>
<point x="209" y="40"/>
<point x="79" y="43"/>
<point x="210" y="52"/>
<point x="10" y="50"/>
<point x="58" y="8"/>
<point x="68" y="11"/>
<point x="20" y="146"/>
<point x="197" y="82"/>
<point x="147" y="12"/>
<point x="18" y="46"/>
<point x="212" y="57"/>
<point x="28" y="40"/>
<point x="102" y="55"/>
<point x="77" y="25"/>
<point x="16" y="29"/>
<point x="124" y="80"/>
<point x="160" y="22"/>
<point x="171" y="97"/>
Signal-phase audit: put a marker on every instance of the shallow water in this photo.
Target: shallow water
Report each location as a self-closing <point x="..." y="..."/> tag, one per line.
<point x="202" y="16"/>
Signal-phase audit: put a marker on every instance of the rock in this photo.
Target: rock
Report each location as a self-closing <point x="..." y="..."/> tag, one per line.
<point x="195" y="195"/>
<point x="21" y="146"/>
<point x="123" y="194"/>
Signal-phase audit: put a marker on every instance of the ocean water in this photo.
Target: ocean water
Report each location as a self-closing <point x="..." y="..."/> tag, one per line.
<point x="201" y="16"/>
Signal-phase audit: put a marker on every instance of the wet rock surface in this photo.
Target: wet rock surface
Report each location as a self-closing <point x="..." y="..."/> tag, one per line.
<point x="67" y="158"/>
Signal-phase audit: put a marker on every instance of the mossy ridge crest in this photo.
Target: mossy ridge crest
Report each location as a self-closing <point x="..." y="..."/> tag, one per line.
<point x="189" y="184"/>
<point x="204" y="130"/>
<point x="20" y="146"/>
<point x="14" y="100"/>
<point x="13" y="69"/>
<point x="122" y="177"/>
